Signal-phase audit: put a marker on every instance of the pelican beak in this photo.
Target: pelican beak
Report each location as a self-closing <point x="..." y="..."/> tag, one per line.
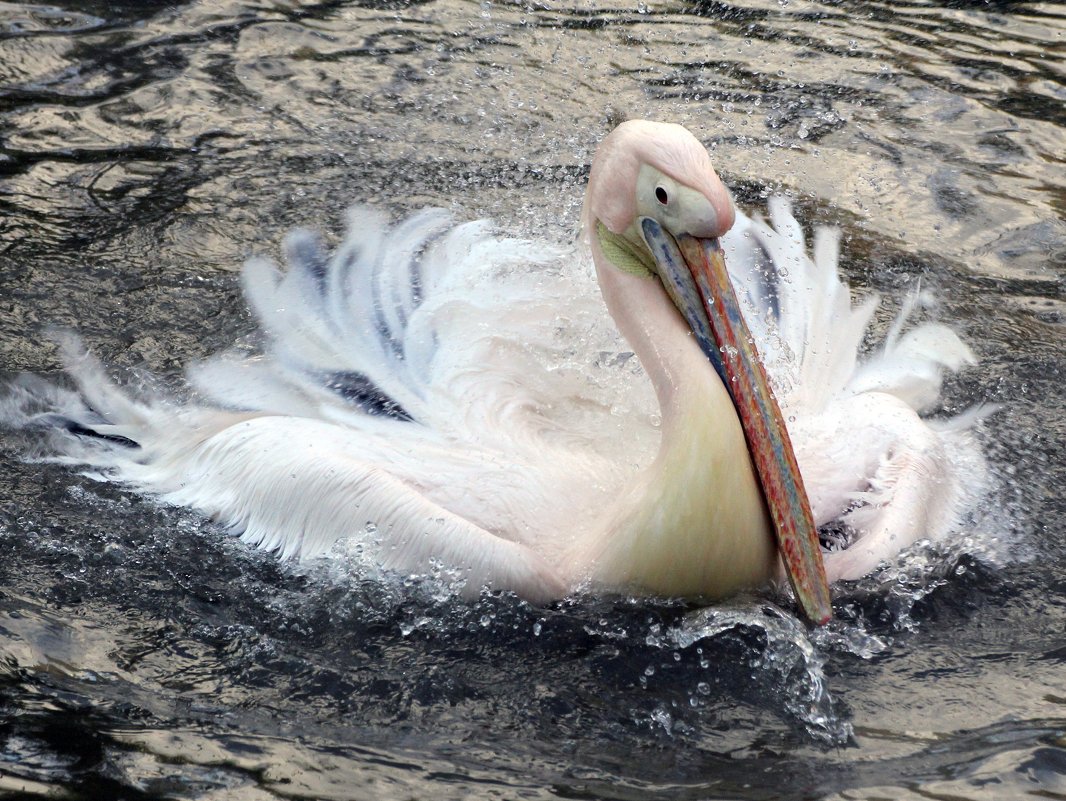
<point x="693" y="272"/>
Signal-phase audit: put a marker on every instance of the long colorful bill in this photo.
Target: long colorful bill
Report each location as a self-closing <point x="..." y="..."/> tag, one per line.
<point x="694" y="273"/>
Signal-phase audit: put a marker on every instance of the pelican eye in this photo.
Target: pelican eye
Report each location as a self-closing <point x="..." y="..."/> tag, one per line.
<point x="661" y="196"/>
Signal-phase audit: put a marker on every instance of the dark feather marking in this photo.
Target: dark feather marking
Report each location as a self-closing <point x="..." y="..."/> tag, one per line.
<point x="386" y="333"/>
<point x="382" y="326"/>
<point x="357" y="389"/>
<point x="305" y="252"/>
<point x="768" y="277"/>
<point x="416" y="264"/>
<point x="345" y="260"/>
<point x="79" y="429"/>
<point x="414" y="272"/>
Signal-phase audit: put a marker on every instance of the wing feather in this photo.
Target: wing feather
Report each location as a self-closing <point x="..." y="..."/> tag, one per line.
<point x="310" y="494"/>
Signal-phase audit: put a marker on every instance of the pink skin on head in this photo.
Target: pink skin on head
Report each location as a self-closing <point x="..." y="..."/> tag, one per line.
<point x="669" y="148"/>
<point x="643" y="312"/>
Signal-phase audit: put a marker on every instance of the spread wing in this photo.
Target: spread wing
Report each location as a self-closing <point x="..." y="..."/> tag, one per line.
<point x="451" y="394"/>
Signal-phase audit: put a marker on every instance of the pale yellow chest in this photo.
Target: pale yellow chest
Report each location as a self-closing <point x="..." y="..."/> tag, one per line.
<point x="694" y="524"/>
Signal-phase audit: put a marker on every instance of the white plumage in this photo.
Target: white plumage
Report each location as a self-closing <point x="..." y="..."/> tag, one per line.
<point x="454" y="398"/>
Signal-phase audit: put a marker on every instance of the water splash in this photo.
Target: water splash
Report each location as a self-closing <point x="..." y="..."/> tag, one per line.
<point x="789" y="659"/>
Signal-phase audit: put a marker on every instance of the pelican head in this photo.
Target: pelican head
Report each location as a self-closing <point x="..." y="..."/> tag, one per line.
<point x="654" y="211"/>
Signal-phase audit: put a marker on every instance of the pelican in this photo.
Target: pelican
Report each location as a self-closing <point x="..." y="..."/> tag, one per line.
<point x="458" y="400"/>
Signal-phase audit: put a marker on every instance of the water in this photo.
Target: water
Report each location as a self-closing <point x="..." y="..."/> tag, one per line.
<point x="147" y="149"/>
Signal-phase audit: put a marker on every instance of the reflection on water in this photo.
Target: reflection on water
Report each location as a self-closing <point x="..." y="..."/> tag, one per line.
<point x="146" y="149"/>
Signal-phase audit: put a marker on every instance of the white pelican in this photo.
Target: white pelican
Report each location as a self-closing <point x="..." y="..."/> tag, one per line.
<point x="426" y="389"/>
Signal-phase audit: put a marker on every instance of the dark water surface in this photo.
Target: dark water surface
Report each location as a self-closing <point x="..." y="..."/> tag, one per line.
<point x="146" y="149"/>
